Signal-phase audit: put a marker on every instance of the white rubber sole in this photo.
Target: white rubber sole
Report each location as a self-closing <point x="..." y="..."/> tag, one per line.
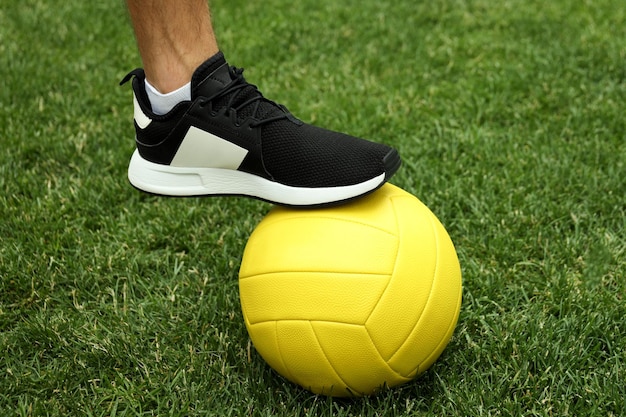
<point x="188" y="182"/>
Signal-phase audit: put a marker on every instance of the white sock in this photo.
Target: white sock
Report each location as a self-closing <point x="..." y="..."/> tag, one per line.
<point x="163" y="103"/>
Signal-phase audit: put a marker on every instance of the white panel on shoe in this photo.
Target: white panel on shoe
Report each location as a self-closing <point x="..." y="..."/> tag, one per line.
<point x="201" y="149"/>
<point x="140" y="117"/>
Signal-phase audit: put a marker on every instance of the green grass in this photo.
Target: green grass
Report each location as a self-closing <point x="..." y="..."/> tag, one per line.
<point x="510" y="118"/>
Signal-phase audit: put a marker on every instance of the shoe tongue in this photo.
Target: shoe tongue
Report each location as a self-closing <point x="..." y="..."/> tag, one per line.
<point x="211" y="77"/>
<point x="214" y="75"/>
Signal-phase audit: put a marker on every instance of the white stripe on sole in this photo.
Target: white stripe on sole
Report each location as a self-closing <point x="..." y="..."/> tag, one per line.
<point x="187" y="182"/>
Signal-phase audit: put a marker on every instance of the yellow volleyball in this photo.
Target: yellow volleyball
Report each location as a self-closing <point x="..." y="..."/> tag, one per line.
<point x="348" y="299"/>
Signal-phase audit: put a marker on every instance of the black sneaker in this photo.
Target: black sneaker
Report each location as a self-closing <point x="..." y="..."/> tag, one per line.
<point x="230" y="140"/>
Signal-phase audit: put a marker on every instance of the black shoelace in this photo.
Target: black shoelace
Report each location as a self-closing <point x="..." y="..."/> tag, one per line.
<point x="240" y="96"/>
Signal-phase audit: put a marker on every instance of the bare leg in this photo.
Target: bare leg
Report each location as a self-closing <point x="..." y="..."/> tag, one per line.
<point x="173" y="37"/>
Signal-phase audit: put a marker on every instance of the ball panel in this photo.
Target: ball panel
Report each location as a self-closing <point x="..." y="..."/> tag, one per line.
<point x="354" y="358"/>
<point x="345" y="298"/>
<point x="305" y="361"/>
<point x="265" y="341"/>
<point x="365" y="210"/>
<point x="402" y="303"/>
<point x="310" y="242"/>
<point x="433" y="330"/>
